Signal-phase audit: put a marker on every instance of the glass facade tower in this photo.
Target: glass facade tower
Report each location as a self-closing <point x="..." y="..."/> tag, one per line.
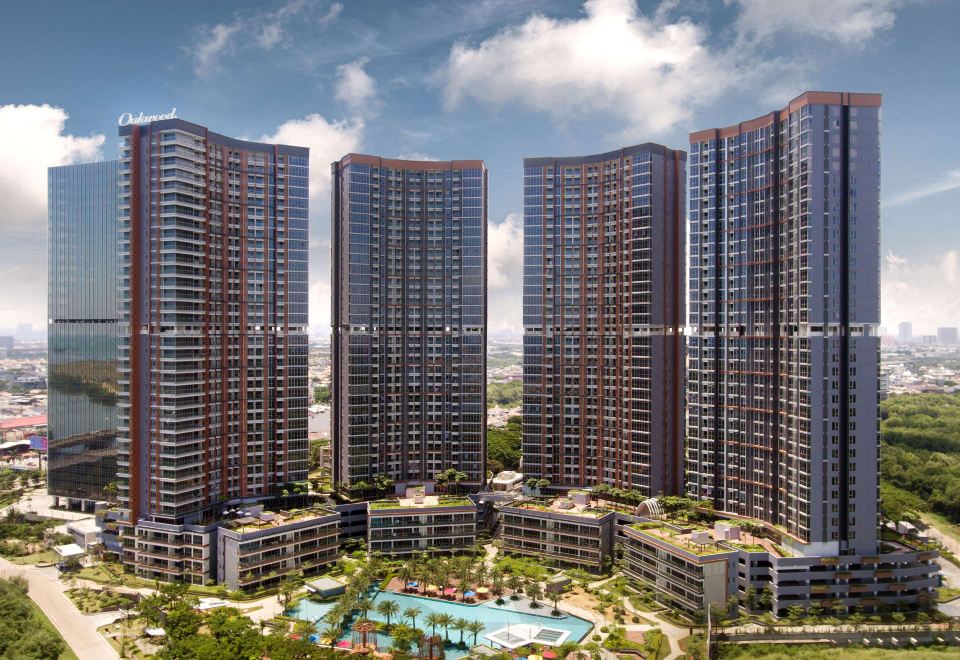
<point x="409" y="308"/>
<point x="603" y="315"/>
<point x="784" y="277"/>
<point x="213" y="326"/>
<point x="82" y="330"/>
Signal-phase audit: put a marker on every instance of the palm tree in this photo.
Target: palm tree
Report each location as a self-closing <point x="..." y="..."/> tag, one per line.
<point x="387" y="608"/>
<point x="480" y="574"/>
<point x="464" y="572"/>
<point x="434" y="619"/>
<point x="331" y="633"/>
<point x="475" y="628"/>
<point x="406" y="574"/>
<point x="402" y="637"/>
<point x="365" y="605"/>
<point x="515" y="582"/>
<point x="445" y="622"/>
<point x="534" y="591"/>
<point x="497" y="579"/>
<point x="412" y="613"/>
<point x="461" y="625"/>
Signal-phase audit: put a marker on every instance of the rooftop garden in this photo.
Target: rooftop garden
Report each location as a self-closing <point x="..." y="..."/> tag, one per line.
<point x="681" y="539"/>
<point x="451" y="500"/>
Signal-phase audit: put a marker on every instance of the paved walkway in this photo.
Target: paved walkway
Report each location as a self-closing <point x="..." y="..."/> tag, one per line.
<point x="673" y="632"/>
<point x="79" y="630"/>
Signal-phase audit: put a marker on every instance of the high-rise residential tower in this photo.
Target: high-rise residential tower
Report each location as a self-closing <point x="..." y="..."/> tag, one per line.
<point x="409" y="320"/>
<point x="905" y="332"/>
<point x="212" y="408"/>
<point x="603" y="316"/>
<point x="82" y="332"/>
<point x="784" y="277"/>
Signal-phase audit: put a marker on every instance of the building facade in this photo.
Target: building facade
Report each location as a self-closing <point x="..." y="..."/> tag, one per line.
<point x="784" y="263"/>
<point x="603" y="316"/>
<point x="947" y="336"/>
<point x="905" y="332"/>
<point x="82" y="332"/>
<point x="566" y="531"/>
<point x="410" y="318"/>
<point x="212" y="404"/>
<point x="421" y="523"/>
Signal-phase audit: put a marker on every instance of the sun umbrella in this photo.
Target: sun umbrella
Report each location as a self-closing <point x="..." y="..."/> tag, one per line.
<point x="483" y="590"/>
<point x="449" y="591"/>
<point x="534" y="657"/>
<point x="431" y="588"/>
<point x="413" y="584"/>
<point x="469" y="594"/>
<point x="294" y="636"/>
<point x="343" y="644"/>
<point x="550" y="655"/>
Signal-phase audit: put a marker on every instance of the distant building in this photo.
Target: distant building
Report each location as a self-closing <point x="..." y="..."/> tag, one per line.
<point x="82" y="332"/>
<point x="905" y="332"/>
<point x="7" y="342"/>
<point x="947" y="336"/>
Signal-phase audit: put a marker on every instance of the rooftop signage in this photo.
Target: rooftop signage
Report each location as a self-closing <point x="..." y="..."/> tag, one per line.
<point x="128" y="118"/>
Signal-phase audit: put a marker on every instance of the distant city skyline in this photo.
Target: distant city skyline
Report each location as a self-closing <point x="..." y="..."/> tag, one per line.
<point x="439" y="79"/>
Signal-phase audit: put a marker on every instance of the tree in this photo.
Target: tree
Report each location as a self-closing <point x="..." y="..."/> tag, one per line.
<point x="534" y="592"/>
<point x="403" y="637"/>
<point x="515" y="583"/>
<point x="332" y="633"/>
<point x="434" y="619"/>
<point x="288" y="589"/>
<point x="461" y="625"/>
<point x="365" y="605"/>
<point x="445" y="622"/>
<point x="411" y="614"/>
<point x="475" y="628"/>
<point x="387" y="609"/>
<point x="766" y="597"/>
<point x="795" y="614"/>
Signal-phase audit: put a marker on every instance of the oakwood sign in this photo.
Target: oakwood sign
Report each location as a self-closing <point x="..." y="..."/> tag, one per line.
<point x="128" y="118"/>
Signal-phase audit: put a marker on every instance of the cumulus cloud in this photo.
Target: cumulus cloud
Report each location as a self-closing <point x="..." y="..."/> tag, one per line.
<point x="850" y="22"/>
<point x="253" y="29"/>
<point x="923" y="292"/>
<point x="355" y="87"/>
<point x="651" y="71"/>
<point x="32" y="138"/>
<point x="946" y="183"/>
<point x="328" y="141"/>
<point x="505" y="275"/>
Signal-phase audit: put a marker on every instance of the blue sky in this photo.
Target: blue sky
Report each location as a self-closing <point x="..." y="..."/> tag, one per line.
<point x="494" y="79"/>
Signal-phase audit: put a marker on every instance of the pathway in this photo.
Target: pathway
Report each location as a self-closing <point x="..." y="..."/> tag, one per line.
<point x="79" y="630"/>
<point x="951" y="572"/>
<point x="673" y="632"/>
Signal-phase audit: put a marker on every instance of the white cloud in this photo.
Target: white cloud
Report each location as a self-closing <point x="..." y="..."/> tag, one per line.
<point x="923" y="293"/>
<point x="32" y="138"/>
<point x="851" y="22"/>
<point x="251" y="29"/>
<point x="650" y="71"/>
<point x="328" y="141"/>
<point x="946" y="183"/>
<point x="355" y="87"/>
<point x="505" y="275"/>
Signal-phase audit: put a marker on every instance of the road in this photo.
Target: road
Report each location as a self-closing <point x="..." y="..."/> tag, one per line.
<point x="951" y="572"/>
<point x="79" y="630"/>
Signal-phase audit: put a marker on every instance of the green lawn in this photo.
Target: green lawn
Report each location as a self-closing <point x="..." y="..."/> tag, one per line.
<point x="68" y="653"/>
<point x="44" y="556"/>
<point x="940" y="522"/>
<point x="828" y="652"/>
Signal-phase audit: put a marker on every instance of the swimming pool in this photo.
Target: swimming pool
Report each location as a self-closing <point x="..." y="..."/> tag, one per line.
<point x="493" y="618"/>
